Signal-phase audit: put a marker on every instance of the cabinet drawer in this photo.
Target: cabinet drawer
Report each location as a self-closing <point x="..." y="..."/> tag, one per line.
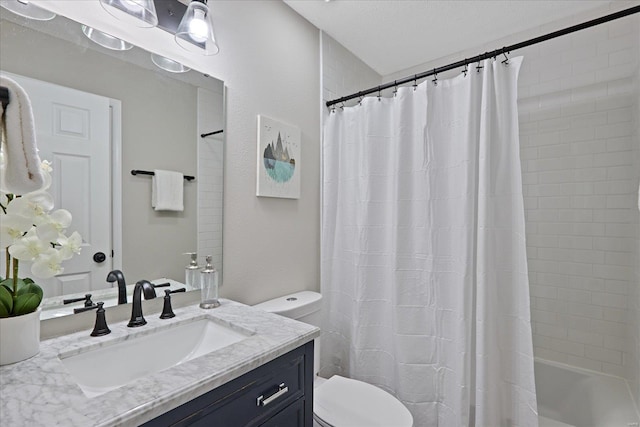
<point x="251" y="399"/>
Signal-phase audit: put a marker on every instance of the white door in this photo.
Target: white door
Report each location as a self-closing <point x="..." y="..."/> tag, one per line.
<point x="73" y="131"/>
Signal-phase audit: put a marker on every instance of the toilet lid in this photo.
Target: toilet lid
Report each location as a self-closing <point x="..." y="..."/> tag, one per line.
<point x="343" y="402"/>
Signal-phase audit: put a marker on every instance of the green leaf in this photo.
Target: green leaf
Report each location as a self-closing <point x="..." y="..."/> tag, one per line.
<point x="6" y="300"/>
<point x="27" y="280"/>
<point x="25" y="304"/>
<point x="3" y="311"/>
<point x="30" y="288"/>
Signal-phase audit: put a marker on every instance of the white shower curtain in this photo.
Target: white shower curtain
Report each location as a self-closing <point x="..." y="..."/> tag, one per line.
<point x="424" y="269"/>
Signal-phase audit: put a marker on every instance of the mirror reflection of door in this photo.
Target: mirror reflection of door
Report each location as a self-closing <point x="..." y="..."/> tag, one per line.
<point x="73" y="132"/>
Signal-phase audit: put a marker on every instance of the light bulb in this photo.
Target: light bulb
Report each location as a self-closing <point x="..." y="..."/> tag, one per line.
<point x="198" y="27"/>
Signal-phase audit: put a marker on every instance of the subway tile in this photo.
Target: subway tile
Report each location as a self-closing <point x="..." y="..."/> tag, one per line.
<point x="603" y="354"/>
<point x="614" y="314"/>
<point x="551" y="279"/>
<point x="620" y="258"/>
<point x="588" y="202"/>
<point x="574" y="295"/>
<point x="590" y="283"/>
<point x="608" y="327"/>
<point x="575" y="242"/>
<point x="615" y="343"/>
<point x="603" y="299"/>
<point x="612" y="215"/>
<point x="553" y="331"/>
<point x="585" y="310"/>
<point x="620" y="244"/>
<point x="585" y="337"/>
<point x="614" y="272"/>
<point x="541" y="316"/>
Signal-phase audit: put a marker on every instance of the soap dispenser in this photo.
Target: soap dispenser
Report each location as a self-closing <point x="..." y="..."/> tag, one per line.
<point x="191" y="277"/>
<point x="209" y="283"/>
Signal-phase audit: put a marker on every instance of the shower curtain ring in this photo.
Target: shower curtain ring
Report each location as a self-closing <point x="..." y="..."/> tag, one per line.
<point x="342" y="106"/>
<point x="466" y="69"/>
<point x="360" y="101"/>
<point x="479" y="67"/>
<point x="395" y="88"/>
<point x="506" y="58"/>
<point x="415" y="82"/>
<point x="435" y="78"/>
<point x="379" y="98"/>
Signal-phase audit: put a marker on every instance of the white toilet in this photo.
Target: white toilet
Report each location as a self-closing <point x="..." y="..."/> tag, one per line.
<point x="340" y="401"/>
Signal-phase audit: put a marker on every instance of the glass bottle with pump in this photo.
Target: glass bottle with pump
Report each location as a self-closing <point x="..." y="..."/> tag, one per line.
<point x="191" y="276"/>
<point x="209" y="283"/>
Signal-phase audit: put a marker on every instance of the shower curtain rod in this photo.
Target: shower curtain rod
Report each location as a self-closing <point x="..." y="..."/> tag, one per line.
<point x="487" y="55"/>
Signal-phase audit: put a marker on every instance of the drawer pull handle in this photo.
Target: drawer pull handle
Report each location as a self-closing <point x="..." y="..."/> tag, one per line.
<point x="282" y="390"/>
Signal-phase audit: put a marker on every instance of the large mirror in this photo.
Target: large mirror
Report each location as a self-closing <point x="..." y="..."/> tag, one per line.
<point x="143" y="118"/>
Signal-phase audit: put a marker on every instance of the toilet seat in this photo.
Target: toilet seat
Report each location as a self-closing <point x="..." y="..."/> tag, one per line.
<point x="343" y="402"/>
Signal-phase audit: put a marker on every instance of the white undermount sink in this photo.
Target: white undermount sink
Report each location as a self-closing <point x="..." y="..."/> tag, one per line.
<point x="103" y="369"/>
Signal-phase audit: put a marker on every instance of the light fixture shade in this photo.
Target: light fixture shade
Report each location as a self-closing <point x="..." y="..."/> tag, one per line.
<point x="28" y="10"/>
<point x="168" y="64"/>
<point x="141" y="13"/>
<point x="105" y="40"/>
<point x="195" y="32"/>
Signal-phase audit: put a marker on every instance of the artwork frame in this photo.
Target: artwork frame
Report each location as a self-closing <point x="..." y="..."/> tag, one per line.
<point x="278" y="165"/>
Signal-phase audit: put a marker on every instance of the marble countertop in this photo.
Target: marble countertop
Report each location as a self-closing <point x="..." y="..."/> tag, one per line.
<point x="39" y="391"/>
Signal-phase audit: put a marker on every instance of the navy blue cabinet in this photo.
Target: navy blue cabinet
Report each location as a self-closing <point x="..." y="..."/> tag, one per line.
<point x="276" y="394"/>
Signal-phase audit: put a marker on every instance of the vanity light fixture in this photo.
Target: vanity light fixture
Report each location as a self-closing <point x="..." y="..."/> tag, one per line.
<point x="168" y="64"/>
<point x="195" y="32"/>
<point x="105" y="40"/>
<point x="141" y="13"/>
<point x="27" y="9"/>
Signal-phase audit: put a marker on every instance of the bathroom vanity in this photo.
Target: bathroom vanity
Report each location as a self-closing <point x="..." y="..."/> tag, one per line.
<point x="245" y="367"/>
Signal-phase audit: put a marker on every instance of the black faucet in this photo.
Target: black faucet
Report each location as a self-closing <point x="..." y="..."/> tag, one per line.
<point x="137" y="319"/>
<point x="116" y="275"/>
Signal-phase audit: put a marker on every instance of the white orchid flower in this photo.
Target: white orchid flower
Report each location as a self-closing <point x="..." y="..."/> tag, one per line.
<point x="35" y="205"/>
<point x="29" y="247"/>
<point x="48" y="264"/>
<point x="12" y="227"/>
<point x="70" y="245"/>
<point x="53" y="229"/>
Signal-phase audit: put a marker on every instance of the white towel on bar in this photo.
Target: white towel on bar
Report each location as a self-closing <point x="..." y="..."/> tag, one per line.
<point x="167" y="190"/>
<point x="23" y="172"/>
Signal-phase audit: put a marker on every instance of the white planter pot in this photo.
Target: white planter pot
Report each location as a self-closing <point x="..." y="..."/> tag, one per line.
<point x="19" y="337"/>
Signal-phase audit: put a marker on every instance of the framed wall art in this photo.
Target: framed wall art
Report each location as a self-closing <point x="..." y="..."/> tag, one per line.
<point x="278" y="166"/>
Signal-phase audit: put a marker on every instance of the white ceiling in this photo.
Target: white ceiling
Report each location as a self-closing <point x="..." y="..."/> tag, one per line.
<point x="392" y="35"/>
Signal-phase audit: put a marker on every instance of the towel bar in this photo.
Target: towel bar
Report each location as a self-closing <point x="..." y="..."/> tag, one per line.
<point x="140" y="172"/>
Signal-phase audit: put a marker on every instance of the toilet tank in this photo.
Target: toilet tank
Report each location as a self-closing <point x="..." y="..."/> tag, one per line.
<point x="302" y="306"/>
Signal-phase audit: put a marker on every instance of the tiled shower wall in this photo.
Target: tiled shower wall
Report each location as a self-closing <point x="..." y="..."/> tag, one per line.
<point x="577" y="99"/>
<point x="210" y="176"/>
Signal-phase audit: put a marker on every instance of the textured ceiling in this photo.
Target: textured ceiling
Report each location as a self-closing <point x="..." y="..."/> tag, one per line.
<point x="391" y="36"/>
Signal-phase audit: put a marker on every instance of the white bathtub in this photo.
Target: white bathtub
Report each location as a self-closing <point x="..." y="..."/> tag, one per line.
<point x="569" y="396"/>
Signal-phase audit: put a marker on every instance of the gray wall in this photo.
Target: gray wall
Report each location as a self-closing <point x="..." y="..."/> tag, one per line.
<point x="158" y="132"/>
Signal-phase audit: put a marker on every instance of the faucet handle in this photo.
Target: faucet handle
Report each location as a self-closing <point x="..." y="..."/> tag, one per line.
<point x="167" y="311"/>
<point x="86" y="299"/>
<point x="100" y="328"/>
